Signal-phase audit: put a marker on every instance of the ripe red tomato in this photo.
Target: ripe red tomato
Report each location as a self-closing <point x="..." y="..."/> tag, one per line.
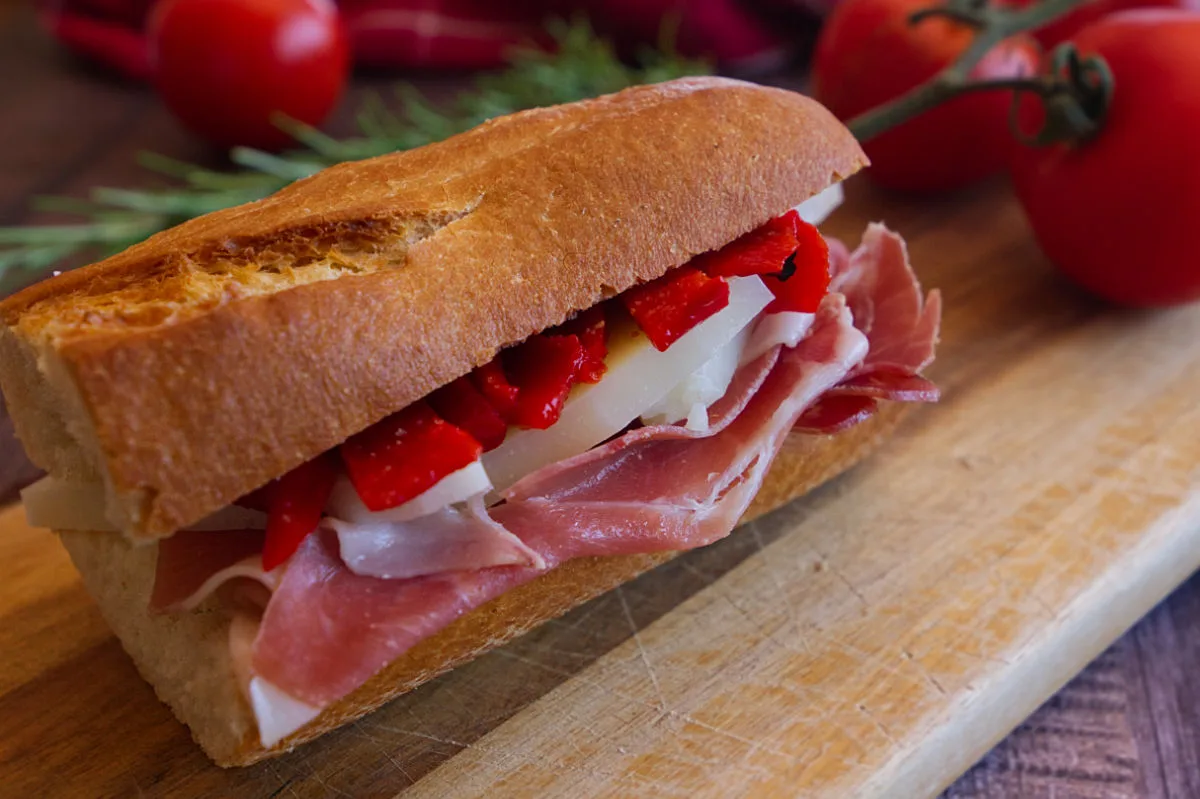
<point x="1084" y="14"/>
<point x="225" y="67"/>
<point x="868" y="54"/>
<point x="1118" y="213"/>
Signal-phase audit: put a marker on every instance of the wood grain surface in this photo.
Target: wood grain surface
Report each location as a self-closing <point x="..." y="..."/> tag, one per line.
<point x="889" y="629"/>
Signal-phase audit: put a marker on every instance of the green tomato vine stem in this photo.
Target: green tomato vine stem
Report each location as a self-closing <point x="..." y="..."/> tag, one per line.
<point x="1075" y="91"/>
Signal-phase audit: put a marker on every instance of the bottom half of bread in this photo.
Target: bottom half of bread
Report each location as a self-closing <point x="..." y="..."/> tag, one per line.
<point x="186" y="657"/>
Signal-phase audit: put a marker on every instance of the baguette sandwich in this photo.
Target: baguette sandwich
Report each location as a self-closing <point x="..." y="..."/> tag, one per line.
<point x="310" y="452"/>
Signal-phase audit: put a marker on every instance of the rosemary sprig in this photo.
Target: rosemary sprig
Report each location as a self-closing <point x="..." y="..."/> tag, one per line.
<point x="581" y="65"/>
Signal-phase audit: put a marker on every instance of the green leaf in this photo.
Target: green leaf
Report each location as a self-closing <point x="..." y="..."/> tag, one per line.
<point x="285" y="168"/>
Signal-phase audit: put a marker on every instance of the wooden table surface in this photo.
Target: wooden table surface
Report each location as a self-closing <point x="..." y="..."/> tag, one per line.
<point x="1127" y="726"/>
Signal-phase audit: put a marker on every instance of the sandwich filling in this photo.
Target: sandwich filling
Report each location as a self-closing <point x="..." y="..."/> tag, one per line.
<point x="644" y="424"/>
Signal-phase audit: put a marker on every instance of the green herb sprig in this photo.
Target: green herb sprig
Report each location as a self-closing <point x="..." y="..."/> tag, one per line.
<point x="580" y="66"/>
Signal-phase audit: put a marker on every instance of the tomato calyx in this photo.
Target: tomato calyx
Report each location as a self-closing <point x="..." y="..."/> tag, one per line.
<point x="1075" y="96"/>
<point x="1075" y="92"/>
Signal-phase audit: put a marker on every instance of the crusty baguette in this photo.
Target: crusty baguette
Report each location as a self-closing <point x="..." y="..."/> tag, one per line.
<point x="186" y="658"/>
<point x="215" y="356"/>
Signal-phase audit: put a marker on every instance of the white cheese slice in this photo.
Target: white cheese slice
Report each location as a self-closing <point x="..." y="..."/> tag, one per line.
<point x="65" y="505"/>
<point x="786" y="328"/>
<point x="459" y="486"/>
<point x="278" y="714"/>
<point x="816" y="209"/>
<point x="638" y="376"/>
<point x="61" y="505"/>
<point x="690" y="398"/>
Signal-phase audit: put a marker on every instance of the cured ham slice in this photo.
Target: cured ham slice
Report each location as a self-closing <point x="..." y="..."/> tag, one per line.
<point x="452" y="539"/>
<point x="886" y="301"/>
<point x="902" y="327"/>
<point x="888" y="382"/>
<point x="856" y="399"/>
<point x="327" y="630"/>
<point x="659" y="489"/>
<point x="833" y="414"/>
<point x="193" y="563"/>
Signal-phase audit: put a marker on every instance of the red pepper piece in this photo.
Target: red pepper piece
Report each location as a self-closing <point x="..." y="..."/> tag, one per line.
<point x="791" y="256"/>
<point x="121" y="47"/>
<point x="461" y="404"/>
<point x="294" y="504"/>
<point x="667" y="308"/>
<point x="808" y="281"/>
<point x="590" y="327"/>
<point x="759" y="252"/>
<point x="402" y="456"/>
<point x="544" y="368"/>
<point x="495" y="387"/>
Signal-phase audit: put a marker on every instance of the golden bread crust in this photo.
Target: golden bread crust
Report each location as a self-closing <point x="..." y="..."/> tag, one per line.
<point x="215" y="356"/>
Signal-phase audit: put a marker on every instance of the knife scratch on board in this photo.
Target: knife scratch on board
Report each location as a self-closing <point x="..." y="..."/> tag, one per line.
<point x="469" y="709"/>
<point x="733" y="736"/>
<point x="284" y="784"/>
<point x="879" y="725"/>
<point x="837" y="573"/>
<point x="637" y="640"/>
<point x="924" y="671"/>
<point x="362" y="730"/>
<point x="480" y="753"/>
<point x="584" y="680"/>
<point x="781" y="587"/>
<point x="770" y="636"/>
<point x="422" y="735"/>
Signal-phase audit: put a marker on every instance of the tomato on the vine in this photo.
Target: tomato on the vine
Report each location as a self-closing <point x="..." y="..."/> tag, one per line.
<point x="1066" y="26"/>
<point x="868" y="53"/>
<point x="1117" y="212"/>
<point x="225" y="68"/>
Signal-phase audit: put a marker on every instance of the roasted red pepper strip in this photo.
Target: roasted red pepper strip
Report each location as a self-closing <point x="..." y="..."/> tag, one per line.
<point x="461" y="404"/>
<point x="590" y="327"/>
<point x="495" y="387"/>
<point x="759" y="252"/>
<point x="294" y="504"/>
<point x="544" y="369"/>
<point x="791" y="256"/>
<point x="807" y="274"/>
<point x="673" y="304"/>
<point x="402" y="456"/>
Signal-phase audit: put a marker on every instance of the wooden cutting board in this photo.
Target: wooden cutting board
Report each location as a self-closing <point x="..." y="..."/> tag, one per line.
<point x="874" y="639"/>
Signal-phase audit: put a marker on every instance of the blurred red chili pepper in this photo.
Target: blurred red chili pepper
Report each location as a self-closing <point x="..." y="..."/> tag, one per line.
<point x="743" y="35"/>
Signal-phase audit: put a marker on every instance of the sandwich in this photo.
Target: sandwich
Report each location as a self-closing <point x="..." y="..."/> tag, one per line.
<point x="310" y="452"/>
